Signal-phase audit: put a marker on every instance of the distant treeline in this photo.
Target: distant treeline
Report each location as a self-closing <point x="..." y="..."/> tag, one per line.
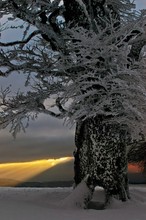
<point x="133" y="179"/>
<point x="46" y="184"/>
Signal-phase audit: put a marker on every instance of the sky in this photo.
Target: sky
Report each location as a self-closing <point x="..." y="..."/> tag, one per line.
<point x="140" y="4"/>
<point x="46" y="138"/>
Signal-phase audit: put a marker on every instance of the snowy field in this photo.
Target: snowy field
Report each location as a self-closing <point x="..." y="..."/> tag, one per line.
<point x="50" y="204"/>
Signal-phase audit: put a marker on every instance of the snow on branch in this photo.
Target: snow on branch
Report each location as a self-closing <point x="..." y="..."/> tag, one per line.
<point x="105" y="82"/>
<point x="17" y="111"/>
<point x="38" y="15"/>
<point x="89" y="72"/>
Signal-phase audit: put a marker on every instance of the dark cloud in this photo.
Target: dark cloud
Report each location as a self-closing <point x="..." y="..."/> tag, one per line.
<point x="45" y="138"/>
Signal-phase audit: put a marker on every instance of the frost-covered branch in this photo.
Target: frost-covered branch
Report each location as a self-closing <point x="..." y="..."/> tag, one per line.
<point x="40" y="15"/>
<point x="17" y="111"/>
<point x="90" y="68"/>
<point x="106" y="83"/>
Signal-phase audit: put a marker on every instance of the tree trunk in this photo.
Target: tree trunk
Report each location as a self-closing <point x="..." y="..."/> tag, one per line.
<point x="101" y="154"/>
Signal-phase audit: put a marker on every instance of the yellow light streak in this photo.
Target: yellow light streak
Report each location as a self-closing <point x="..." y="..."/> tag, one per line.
<point x="23" y="171"/>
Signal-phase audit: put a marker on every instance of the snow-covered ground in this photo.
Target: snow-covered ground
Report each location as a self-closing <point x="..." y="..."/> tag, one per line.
<point x="49" y="204"/>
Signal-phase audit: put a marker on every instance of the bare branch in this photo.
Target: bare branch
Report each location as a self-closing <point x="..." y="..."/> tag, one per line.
<point x="58" y="104"/>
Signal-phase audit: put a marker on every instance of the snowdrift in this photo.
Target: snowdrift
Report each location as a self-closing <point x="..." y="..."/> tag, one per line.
<point x="57" y="204"/>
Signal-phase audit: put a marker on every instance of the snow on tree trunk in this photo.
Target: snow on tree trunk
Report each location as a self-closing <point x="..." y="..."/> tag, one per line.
<point x="101" y="153"/>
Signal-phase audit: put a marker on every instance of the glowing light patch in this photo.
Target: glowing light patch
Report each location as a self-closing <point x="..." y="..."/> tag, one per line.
<point x="134" y="168"/>
<point x="23" y="171"/>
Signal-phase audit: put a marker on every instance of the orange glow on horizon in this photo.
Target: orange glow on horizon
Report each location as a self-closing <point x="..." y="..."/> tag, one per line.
<point x="23" y="171"/>
<point x="134" y="168"/>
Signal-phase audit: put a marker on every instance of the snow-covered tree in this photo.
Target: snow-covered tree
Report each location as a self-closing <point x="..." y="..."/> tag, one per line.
<point x="87" y="58"/>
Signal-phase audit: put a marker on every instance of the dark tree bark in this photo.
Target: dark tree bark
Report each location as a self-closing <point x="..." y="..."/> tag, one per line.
<point x="101" y="154"/>
<point x="74" y="14"/>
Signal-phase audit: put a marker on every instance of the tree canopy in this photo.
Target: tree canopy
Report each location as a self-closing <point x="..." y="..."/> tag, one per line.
<point x="84" y="55"/>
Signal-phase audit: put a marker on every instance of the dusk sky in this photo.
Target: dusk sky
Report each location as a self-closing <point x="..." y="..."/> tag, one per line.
<point x="46" y="138"/>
